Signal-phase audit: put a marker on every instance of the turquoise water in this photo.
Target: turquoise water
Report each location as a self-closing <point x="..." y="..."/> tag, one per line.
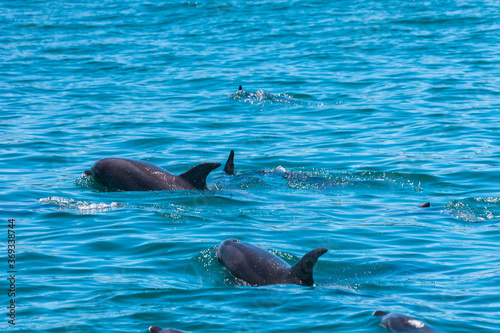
<point x="358" y="113"/>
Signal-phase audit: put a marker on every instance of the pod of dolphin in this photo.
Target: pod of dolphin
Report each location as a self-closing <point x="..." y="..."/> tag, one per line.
<point x="246" y="262"/>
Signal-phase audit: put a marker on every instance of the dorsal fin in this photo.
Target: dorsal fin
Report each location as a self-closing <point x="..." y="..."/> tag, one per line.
<point x="229" y="167"/>
<point x="303" y="269"/>
<point x="240" y="89"/>
<point x="197" y="176"/>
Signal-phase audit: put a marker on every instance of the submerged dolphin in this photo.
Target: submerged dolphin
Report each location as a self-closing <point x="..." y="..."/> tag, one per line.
<point x="398" y="323"/>
<point x="156" y="329"/>
<point x="289" y="175"/>
<point x="261" y="96"/>
<point x="258" y="94"/>
<point x="258" y="267"/>
<point x="120" y="174"/>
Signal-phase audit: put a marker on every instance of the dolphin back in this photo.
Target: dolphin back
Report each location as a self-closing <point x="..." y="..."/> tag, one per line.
<point x="156" y="329"/>
<point x="197" y="176"/>
<point x="252" y="264"/>
<point x="303" y="269"/>
<point x="396" y="322"/>
<point x="121" y="174"/>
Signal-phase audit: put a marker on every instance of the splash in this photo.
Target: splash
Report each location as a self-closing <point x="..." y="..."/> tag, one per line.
<point x="80" y="205"/>
<point x="474" y="209"/>
<point x="261" y="97"/>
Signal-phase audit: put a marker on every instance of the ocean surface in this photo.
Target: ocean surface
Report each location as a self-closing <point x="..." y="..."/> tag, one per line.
<point x="352" y="114"/>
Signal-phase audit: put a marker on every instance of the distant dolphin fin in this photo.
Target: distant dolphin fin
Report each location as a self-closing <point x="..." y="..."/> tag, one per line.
<point x="240" y="89"/>
<point x="380" y="313"/>
<point x="303" y="269"/>
<point x="197" y="176"/>
<point x="229" y="167"/>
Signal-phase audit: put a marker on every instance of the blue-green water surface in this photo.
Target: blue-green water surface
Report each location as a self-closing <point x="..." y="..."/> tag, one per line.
<point x="357" y="112"/>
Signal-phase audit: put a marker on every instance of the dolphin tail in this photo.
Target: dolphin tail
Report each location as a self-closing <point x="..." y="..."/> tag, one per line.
<point x="229" y="167"/>
<point x="303" y="269"/>
<point x="197" y="176"/>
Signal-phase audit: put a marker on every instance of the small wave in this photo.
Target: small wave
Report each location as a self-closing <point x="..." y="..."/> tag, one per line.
<point x="89" y="182"/>
<point x="474" y="209"/>
<point x="280" y="169"/>
<point x="80" y="205"/>
<point x="395" y="180"/>
<point x="260" y="97"/>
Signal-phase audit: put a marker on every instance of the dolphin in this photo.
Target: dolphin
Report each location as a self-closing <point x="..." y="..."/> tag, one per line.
<point x="120" y="174"/>
<point x="156" y="329"/>
<point x="399" y="323"/>
<point x="258" y="267"/>
<point x="260" y="96"/>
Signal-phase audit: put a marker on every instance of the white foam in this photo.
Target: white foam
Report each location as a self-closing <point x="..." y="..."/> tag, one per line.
<point x="80" y="205"/>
